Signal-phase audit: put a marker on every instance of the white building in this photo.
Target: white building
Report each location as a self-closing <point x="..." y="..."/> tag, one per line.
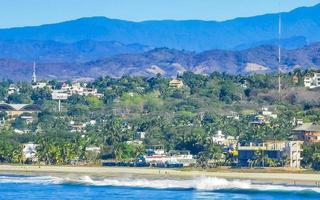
<point x="224" y="140"/>
<point x="39" y="85"/>
<point x="161" y="158"/>
<point x="293" y="150"/>
<point x="312" y="81"/>
<point x="218" y="138"/>
<point x="77" y="88"/>
<point x="29" y="152"/>
<point x="266" y="112"/>
<point x="13" y="89"/>
<point x="92" y="122"/>
<point x="93" y="149"/>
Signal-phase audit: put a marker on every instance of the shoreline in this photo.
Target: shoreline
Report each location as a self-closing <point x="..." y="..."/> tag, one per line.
<point x="290" y="179"/>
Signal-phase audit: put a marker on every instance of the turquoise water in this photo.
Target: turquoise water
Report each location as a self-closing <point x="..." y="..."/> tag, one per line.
<point x="50" y="187"/>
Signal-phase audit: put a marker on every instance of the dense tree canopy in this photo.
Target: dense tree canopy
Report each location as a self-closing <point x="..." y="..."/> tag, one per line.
<point x="178" y="118"/>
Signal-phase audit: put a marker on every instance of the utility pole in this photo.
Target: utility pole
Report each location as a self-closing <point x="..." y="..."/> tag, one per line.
<point x="279" y="58"/>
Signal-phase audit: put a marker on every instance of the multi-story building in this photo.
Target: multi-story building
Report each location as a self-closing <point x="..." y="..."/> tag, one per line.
<point x="308" y="132"/>
<point x="312" y="81"/>
<point x="276" y="150"/>
<point x="77" y="88"/>
<point x="293" y="151"/>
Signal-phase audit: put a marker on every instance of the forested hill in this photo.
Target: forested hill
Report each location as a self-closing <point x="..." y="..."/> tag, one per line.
<point x="299" y="26"/>
<point x="183" y="118"/>
<point x="168" y="62"/>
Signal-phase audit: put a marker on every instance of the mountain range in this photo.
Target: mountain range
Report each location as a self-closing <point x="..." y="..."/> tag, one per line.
<point x="170" y="62"/>
<point x="191" y="35"/>
<point x="95" y="46"/>
<point x="52" y="51"/>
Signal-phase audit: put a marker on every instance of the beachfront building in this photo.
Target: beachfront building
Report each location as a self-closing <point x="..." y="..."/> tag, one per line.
<point x="29" y="152"/>
<point x="157" y="157"/>
<point x="312" y="81"/>
<point x="256" y="155"/>
<point x="92" y="153"/>
<point x="253" y="155"/>
<point x="307" y="132"/>
<point x="176" y="83"/>
<point x="293" y="150"/>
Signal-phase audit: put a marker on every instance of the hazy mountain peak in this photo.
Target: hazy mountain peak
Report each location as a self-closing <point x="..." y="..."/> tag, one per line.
<point x="193" y="35"/>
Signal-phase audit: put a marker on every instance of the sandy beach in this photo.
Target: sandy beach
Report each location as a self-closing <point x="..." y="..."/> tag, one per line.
<point x="255" y="177"/>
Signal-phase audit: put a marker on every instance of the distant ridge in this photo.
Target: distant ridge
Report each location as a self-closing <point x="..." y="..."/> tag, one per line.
<point x="192" y="35"/>
<point x="52" y="51"/>
<point x="169" y="62"/>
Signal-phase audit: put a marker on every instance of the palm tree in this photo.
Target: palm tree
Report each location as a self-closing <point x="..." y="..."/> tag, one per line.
<point x="17" y="155"/>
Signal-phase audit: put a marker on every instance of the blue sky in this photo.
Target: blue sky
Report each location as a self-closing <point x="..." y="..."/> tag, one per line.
<point x="35" y="12"/>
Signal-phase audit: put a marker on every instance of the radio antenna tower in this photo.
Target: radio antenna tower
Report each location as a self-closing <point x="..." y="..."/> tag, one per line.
<point x="279" y="55"/>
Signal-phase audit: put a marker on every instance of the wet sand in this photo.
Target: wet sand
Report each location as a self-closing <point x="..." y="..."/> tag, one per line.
<point x="263" y="178"/>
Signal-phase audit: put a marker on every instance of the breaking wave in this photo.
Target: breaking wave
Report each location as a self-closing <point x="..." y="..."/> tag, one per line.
<point x="31" y="179"/>
<point x="199" y="184"/>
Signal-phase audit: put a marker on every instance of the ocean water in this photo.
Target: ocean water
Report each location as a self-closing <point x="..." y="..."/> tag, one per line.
<point x="86" y="187"/>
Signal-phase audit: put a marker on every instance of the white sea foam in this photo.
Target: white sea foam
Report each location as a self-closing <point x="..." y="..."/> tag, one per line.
<point x="200" y="184"/>
<point x="31" y="179"/>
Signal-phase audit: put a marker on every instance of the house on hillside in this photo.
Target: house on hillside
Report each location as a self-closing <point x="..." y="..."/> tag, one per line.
<point x="308" y="132"/>
<point x="13" y="89"/>
<point x="220" y="139"/>
<point x="264" y="117"/>
<point x="176" y="83"/>
<point x="78" y="88"/>
<point x="40" y="85"/>
<point x="312" y="81"/>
